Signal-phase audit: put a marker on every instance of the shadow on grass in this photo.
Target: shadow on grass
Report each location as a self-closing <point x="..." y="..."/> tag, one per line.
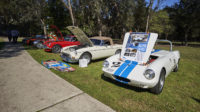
<point x="29" y="47"/>
<point x="181" y="44"/>
<point x="94" y="61"/>
<point x="9" y="49"/>
<point x="197" y="100"/>
<point x="137" y="89"/>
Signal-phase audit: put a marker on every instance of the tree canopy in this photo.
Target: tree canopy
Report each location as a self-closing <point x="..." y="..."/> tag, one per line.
<point x="112" y="18"/>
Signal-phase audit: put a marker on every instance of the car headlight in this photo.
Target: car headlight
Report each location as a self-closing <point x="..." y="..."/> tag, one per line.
<point x="35" y="42"/>
<point x="105" y="64"/>
<point x="71" y="49"/>
<point x="149" y="74"/>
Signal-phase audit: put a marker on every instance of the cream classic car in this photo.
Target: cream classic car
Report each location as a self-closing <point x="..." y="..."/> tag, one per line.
<point x="139" y="64"/>
<point x="90" y="49"/>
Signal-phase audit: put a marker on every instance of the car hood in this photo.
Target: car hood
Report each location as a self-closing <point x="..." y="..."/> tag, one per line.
<point x="80" y="35"/>
<point x="138" y="51"/>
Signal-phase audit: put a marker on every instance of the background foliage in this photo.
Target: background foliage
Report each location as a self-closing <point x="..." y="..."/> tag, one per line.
<point x="180" y="22"/>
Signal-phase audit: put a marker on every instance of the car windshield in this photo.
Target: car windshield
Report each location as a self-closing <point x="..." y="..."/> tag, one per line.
<point x="39" y="36"/>
<point x="67" y="38"/>
<point x="96" y="42"/>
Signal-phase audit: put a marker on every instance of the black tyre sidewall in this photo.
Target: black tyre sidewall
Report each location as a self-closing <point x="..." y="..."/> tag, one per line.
<point x="38" y="45"/>
<point x="86" y="54"/>
<point x="156" y="89"/>
<point x="118" y="51"/>
<point x="54" y="49"/>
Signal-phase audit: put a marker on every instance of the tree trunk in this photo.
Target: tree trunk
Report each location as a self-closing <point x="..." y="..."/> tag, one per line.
<point x="71" y="13"/>
<point x="100" y="27"/>
<point x="166" y="35"/>
<point x="44" y="26"/>
<point x="69" y="7"/>
<point x="149" y="11"/>
<point x="186" y="38"/>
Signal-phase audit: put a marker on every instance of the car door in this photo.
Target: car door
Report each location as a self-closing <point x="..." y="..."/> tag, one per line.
<point x="171" y="62"/>
<point x="109" y="48"/>
<point x="99" y="51"/>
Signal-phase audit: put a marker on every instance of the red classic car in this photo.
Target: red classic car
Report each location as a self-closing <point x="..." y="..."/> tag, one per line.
<point x="55" y="46"/>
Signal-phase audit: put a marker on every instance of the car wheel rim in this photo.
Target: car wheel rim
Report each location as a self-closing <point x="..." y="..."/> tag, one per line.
<point x="57" y="49"/>
<point x="40" y="45"/>
<point x="86" y="57"/>
<point x="162" y="80"/>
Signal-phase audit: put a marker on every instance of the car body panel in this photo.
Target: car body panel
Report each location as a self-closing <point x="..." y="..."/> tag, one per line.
<point x="99" y="51"/>
<point x="63" y="43"/>
<point x="81" y="36"/>
<point x="131" y="70"/>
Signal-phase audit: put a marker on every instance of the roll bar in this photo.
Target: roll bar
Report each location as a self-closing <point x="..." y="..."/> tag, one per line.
<point x="159" y="40"/>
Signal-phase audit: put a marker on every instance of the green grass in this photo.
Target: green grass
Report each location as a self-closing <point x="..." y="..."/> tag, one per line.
<point x="1" y="43"/>
<point x="181" y="92"/>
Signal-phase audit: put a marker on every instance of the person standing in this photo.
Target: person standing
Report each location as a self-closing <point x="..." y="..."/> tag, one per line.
<point x="9" y="35"/>
<point x="15" y="35"/>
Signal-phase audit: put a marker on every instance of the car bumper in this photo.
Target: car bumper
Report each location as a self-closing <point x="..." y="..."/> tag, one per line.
<point x="67" y="58"/>
<point x="132" y="82"/>
<point x="46" y="48"/>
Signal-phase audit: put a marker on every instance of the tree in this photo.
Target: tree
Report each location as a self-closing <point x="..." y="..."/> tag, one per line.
<point x="140" y="15"/>
<point x="68" y="5"/>
<point x="161" y="24"/>
<point x="185" y="16"/>
<point x="152" y="9"/>
<point x="40" y="12"/>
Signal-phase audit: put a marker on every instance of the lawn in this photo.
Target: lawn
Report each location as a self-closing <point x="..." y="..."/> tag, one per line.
<point x="181" y="92"/>
<point x="1" y="42"/>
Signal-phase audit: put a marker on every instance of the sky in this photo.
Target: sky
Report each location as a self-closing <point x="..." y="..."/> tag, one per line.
<point x="165" y="3"/>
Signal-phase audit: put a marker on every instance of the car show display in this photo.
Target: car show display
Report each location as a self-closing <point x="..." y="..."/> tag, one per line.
<point x="139" y="64"/>
<point x="56" y="46"/>
<point x="58" y="65"/>
<point x="89" y="49"/>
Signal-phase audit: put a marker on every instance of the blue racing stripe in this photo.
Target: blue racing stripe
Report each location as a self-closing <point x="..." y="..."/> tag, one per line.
<point x="156" y="50"/>
<point x="121" y="68"/>
<point x="129" y="69"/>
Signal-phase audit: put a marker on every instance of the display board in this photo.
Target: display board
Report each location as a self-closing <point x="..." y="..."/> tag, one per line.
<point x="138" y="46"/>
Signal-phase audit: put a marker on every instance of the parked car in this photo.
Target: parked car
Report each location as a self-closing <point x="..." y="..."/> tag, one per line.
<point x="54" y="35"/>
<point x="56" y="46"/>
<point x="140" y="65"/>
<point x="37" y="37"/>
<point x="90" y="49"/>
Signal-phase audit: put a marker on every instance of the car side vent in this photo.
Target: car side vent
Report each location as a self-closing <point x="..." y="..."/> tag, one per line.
<point x="121" y="78"/>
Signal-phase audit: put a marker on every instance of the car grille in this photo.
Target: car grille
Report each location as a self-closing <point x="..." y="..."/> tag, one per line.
<point x="65" y="55"/>
<point x="121" y="78"/>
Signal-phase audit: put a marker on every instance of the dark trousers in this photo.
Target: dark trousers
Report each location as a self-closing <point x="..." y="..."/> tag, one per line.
<point x="15" y="39"/>
<point x="9" y="38"/>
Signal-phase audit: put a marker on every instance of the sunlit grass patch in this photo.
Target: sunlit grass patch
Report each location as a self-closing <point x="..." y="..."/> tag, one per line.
<point x="181" y="91"/>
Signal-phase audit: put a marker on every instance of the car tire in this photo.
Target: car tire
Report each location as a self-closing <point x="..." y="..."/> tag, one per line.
<point x="39" y="45"/>
<point x="176" y="68"/>
<point x="56" y="49"/>
<point x="118" y="51"/>
<point x="86" y="56"/>
<point x="159" y="86"/>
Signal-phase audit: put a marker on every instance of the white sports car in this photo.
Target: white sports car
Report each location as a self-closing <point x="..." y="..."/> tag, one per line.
<point x="90" y="49"/>
<point x="140" y="65"/>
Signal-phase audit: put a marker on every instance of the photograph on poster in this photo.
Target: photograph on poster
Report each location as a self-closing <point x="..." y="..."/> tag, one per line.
<point x="136" y="46"/>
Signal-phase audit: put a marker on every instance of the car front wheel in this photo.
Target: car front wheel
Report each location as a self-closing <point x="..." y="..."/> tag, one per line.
<point x="176" y="68"/>
<point x="159" y="86"/>
<point x="118" y="51"/>
<point x="86" y="56"/>
<point x="56" y="49"/>
<point x="39" y="45"/>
